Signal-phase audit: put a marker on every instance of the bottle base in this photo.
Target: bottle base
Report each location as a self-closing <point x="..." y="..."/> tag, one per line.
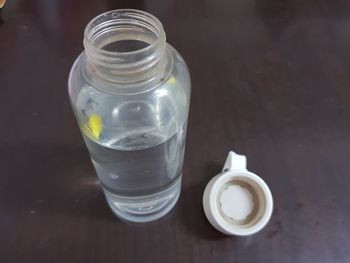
<point x="144" y="208"/>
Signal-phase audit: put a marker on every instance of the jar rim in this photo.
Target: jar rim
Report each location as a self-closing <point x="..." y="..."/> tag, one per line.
<point x="114" y="14"/>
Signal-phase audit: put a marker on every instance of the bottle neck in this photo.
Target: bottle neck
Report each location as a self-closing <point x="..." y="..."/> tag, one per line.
<point x="125" y="47"/>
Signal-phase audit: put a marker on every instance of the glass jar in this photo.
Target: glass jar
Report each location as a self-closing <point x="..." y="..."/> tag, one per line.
<point x="130" y="93"/>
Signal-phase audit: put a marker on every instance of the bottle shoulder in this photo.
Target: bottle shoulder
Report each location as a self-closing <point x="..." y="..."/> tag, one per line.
<point x="81" y="75"/>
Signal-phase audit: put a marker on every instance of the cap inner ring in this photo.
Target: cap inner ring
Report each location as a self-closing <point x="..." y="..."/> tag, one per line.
<point x="241" y="202"/>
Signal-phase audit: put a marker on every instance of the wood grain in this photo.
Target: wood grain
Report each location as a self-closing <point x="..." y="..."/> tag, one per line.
<point x="270" y="80"/>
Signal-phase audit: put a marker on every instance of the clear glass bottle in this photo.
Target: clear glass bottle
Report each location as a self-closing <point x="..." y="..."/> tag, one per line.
<point x="130" y="92"/>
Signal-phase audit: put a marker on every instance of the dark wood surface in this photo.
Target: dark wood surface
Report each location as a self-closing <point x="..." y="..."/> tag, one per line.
<point x="270" y="80"/>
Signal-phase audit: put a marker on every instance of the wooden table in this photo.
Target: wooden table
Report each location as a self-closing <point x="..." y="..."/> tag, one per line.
<point x="271" y="80"/>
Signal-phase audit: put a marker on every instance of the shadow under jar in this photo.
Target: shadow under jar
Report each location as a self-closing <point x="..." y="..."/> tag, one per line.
<point x="130" y="92"/>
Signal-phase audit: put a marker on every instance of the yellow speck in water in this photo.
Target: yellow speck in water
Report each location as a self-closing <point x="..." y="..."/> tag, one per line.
<point x="172" y="80"/>
<point x="95" y="125"/>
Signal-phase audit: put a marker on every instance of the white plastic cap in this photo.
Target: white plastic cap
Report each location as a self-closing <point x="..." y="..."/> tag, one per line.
<point x="236" y="201"/>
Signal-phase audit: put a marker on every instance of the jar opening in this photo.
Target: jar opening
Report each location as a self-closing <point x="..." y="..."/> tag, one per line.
<point x="127" y="45"/>
<point x="125" y="38"/>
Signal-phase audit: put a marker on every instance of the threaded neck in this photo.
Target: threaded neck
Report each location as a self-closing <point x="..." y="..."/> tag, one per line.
<point x="125" y="45"/>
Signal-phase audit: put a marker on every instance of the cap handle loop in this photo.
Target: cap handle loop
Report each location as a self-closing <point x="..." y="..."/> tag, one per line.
<point x="235" y="162"/>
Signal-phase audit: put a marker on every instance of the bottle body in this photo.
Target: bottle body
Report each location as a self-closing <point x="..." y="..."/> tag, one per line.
<point x="135" y="132"/>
